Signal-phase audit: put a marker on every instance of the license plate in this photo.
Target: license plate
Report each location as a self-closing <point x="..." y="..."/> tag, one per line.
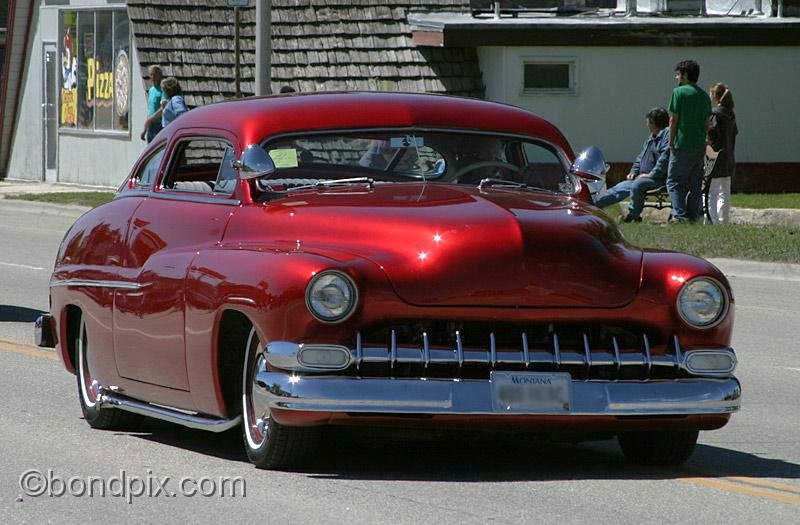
<point x="531" y="392"/>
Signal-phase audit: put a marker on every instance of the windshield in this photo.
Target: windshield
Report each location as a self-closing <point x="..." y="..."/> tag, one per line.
<point x="416" y="155"/>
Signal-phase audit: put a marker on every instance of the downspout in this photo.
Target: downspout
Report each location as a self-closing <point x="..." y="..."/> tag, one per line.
<point x="12" y="9"/>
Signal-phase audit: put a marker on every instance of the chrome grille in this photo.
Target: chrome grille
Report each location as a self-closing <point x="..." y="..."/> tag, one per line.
<point x="618" y="354"/>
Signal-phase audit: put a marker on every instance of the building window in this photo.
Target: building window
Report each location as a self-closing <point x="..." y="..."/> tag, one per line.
<point x="95" y="70"/>
<point x="548" y="76"/>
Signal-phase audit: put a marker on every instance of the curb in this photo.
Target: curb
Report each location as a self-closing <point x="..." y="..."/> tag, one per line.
<point x="44" y="208"/>
<point x="757" y="269"/>
<point x="755" y="217"/>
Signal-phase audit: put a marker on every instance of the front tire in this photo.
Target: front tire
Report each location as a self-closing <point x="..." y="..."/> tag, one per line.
<point x="658" y="448"/>
<point x="104" y="418"/>
<point x="269" y="444"/>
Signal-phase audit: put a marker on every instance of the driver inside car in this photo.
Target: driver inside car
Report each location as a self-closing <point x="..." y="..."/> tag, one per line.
<point x="478" y="158"/>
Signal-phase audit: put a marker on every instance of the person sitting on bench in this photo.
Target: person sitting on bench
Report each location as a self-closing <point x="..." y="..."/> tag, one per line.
<point x="649" y="170"/>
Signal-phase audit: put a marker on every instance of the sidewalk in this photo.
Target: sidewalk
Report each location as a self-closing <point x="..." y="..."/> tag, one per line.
<point x="13" y="187"/>
<point x="760" y="217"/>
<point x="17" y="187"/>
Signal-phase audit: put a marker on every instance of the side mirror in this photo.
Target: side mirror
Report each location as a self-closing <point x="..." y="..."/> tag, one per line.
<point x="590" y="164"/>
<point x="254" y="163"/>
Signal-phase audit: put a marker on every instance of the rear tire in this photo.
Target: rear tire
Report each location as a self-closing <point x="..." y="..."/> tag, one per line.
<point x="269" y="444"/>
<point x="104" y="418"/>
<point x="658" y="448"/>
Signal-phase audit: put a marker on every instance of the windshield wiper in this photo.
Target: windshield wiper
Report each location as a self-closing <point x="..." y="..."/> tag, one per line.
<point x="333" y="183"/>
<point x="485" y="183"/>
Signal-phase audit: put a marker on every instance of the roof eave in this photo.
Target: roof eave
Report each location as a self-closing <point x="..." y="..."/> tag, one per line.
<point x="466" y="31"/>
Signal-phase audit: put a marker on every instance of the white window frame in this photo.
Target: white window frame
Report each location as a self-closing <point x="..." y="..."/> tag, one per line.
<point x="571" y="89"/>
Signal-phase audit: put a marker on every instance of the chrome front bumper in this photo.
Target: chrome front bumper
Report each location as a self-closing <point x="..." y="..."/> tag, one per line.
<point x="276" y="390"/>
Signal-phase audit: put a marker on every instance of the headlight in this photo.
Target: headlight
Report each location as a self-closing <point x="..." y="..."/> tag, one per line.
<point x="331" y="296"/>
<point x="702" y="302"/>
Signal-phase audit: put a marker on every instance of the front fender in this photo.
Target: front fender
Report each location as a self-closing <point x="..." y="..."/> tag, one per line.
<point x="267" y="285"/>
<point x="663" y="275"/>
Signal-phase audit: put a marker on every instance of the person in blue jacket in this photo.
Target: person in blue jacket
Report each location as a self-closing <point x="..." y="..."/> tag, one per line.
<point x="175" y="105"/>
<point x="649" y="170"/>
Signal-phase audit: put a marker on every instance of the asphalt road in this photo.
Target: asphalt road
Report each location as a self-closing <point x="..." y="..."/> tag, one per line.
<point x="748" y="472"/>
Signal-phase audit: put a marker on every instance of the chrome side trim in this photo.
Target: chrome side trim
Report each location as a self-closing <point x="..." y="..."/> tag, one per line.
<point x="222" y="199"/>
<point x="122" y="285"/>
<point x="197" y="421"/>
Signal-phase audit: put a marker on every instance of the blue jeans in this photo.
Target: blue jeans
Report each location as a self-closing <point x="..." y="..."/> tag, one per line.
<point x="635" y="189"/>
<point x="685" y="184"/>
<point x="152" y="131"/>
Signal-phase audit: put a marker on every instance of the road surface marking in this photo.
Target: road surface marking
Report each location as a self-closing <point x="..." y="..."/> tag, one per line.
<point x="745" y="486"/>
<point x="766" y="483"/>
<point x="26" y="266"/>
<point x="26" y="349"/>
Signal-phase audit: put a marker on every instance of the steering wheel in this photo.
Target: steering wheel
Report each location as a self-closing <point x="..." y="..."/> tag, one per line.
<point x="485" y="164"/>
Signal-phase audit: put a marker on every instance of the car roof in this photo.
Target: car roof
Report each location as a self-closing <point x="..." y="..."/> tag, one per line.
<point x="257" y="118"/>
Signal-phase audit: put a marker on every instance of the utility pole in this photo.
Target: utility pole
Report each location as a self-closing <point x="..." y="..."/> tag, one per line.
<point x="236" y="4"/>
<point x="263" y="47"/>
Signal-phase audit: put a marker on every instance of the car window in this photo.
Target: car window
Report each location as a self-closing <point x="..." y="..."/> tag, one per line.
<point x="409" y="155"/>
<point x="226" y="177"/>
<point x="147" y="173"/>
<point x="199" y="164"/>
<point x="394" y="154"/>
<point x="543" y="169"/>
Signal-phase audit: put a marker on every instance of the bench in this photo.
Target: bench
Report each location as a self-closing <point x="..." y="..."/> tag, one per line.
<point x="657" y="198"/>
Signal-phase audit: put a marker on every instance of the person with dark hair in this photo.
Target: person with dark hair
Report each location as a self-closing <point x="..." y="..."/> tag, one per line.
<point x="649" y="170"/>
<point x="287" y="89"/>
<point x="154" y="96"/>
<point x="689" y="112"/>
<point x="722" y="140"/>
<point x="175" y="105"/>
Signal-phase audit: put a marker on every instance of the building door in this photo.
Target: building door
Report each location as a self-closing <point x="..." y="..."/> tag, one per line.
<point x="50" y="113"/>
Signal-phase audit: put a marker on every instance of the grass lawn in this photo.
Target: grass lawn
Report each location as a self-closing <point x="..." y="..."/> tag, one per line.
<point x="80" y="198"/>
<point x="736" y="241"/>
<point x="763" y="200"/>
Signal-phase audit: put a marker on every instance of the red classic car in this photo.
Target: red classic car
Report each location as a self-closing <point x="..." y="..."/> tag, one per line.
<point x="289" y="262"/>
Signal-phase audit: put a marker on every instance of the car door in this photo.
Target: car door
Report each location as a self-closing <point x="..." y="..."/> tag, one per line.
<point x="183" y="215"/>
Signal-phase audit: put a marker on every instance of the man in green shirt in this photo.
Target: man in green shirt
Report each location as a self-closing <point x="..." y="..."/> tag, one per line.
<point x="689" y="113"/>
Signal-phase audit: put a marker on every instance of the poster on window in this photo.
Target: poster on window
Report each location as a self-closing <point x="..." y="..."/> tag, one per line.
<point x="69" y="71"/>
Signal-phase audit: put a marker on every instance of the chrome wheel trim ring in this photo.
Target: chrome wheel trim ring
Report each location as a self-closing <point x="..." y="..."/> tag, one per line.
<point x="255" y="426"/>
<point x="88" y="393"/>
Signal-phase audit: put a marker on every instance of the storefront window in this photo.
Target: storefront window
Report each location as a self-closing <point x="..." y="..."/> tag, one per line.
<point x="95" y="73"/>
<point x="122" y="70"/>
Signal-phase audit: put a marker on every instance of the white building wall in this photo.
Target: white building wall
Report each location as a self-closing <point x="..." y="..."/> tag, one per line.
<point x="96" y="159"/>
<point x="616" y="86"/>
<point x="26" y="159"/>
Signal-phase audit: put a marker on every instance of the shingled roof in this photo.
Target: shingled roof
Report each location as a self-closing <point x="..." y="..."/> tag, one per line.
<point x="318" y="45"/>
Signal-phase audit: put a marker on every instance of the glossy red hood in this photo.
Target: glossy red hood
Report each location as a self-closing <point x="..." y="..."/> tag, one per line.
<point x="457" y="246"/>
